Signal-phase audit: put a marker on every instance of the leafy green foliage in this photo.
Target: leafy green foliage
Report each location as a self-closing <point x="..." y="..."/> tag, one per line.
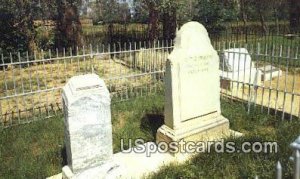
<point x="168" y="12"/>
<point x="110" y="11"/>
<point x="294" y="7"/>
<point x="45" y="38"/>
<point x="270" y="9"/>
<point x="68" y="26"/>
<point x="213" y="13"/>
<point x="141" y="13"/>
<point x="17" y="28"/>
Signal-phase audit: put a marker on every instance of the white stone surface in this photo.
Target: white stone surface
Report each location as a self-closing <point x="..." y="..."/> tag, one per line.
<point x="236" y="65"/>
<point x="236" y="59"/>
<point x="135" y="165"/>
<point x="192" y="77"/>
<point x="139" y="165"/>
<point x="108" y="170"/>
<point x="296" y="144"/>
<point x="269" y="72"/>
<point x="127" y="165"/>
<point x="251" y="76"/>
<point x="88" y="129"/>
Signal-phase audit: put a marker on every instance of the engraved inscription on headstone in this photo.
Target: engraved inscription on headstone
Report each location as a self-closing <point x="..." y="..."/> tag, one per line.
<point x="196" y="65"/>
<point x="196" y="78"/>
<point x="192" y="94"/>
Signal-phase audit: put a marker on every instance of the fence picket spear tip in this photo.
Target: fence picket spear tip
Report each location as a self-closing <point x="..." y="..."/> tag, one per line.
<point x="278" y="170"/>
<point x="292" y="159"/>
<point x="297" y="165"/>
<point x="298" y="140"/>
<point x="297" y="155"/>
<point x="278" y="166"/>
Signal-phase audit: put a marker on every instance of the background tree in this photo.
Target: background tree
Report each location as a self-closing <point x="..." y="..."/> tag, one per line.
<point x="153" y="20"/>
<point x="175" y="13"/>
<point x="141" y="13"/>
<point x="124" y="14"/>
<point x="263" y="9"/>
<point x="167" y="12"/>
<point x="110" y="11"/>
<point x="242" y="7"/>
<point x="280" y="9"/>
<point x="45" y="10"/>
<point x="97" y="12"/>
<point x="17" y="25"/>
<point x="294" y="8"/>
<point x="169" y="18"/>
<point x="68" y="26"/>
<point x="213" y="13"/>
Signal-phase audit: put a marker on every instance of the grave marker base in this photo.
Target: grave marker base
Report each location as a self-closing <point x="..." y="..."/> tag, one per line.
<point x="211" y="129"/>
<point x="107" y="171"/>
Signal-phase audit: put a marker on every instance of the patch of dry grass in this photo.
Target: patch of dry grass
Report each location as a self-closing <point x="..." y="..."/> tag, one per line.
<point x="118" y="71"/>
<point x="271" y="98"/>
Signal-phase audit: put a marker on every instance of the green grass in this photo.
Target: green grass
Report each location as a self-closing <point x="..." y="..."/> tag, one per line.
<point x="256" y="127"/>
<point x="33" y="150"/>
<point x="36" y="150"/>
<point x="139" y="118"/>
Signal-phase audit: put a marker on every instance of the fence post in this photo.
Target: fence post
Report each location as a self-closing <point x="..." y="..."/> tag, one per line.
<point x="296" y="147"/>
<point x="278" y="171"/>
<point x="297" y="165"/>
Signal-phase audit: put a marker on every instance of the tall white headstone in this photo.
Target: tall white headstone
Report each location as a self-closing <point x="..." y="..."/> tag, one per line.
<point x="88" y="128"/>
<point x="192" y="97"/>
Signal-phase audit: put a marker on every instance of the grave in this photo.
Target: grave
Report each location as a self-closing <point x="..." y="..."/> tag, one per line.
<point x="237" y="67"/>
<point x="236" y="59"/>
<point x="88" y="136"/>
<point x="192" y="84"/>
<point x="192" y="113"/>
<point x="269" y="72"/>
<point x="88" y="129"/>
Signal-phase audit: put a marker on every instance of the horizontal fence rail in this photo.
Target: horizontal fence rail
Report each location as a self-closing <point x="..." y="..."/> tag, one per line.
<point x="31" y="83"/>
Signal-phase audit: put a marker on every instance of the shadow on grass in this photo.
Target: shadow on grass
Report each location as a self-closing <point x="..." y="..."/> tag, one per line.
<point x="257" y="126"/>
<point x="63" y="154"/>
<point x="152" y="122"/>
